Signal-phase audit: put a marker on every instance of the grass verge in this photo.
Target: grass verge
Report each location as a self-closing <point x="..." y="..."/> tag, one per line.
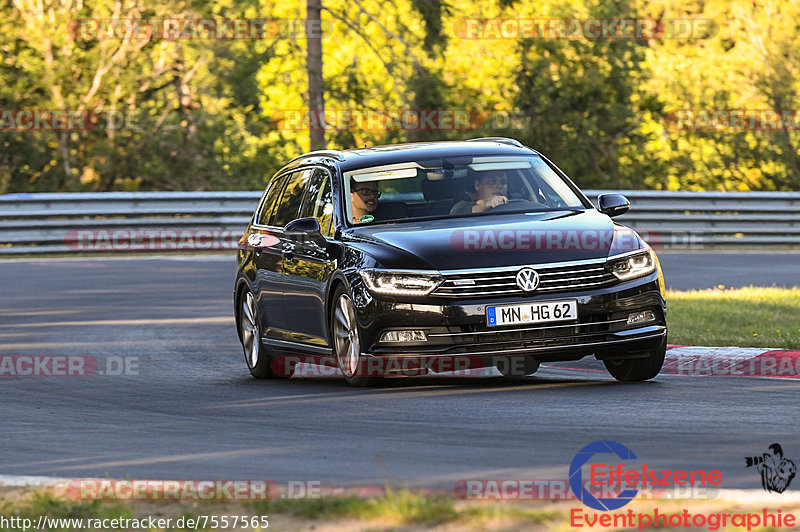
<point x="397" y="510"/>
<point x="742" y="317"/>
<point x="396" y="506"/>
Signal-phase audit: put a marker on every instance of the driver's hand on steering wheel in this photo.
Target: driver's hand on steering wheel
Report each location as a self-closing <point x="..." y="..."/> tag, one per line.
<point x="491" y="203"/>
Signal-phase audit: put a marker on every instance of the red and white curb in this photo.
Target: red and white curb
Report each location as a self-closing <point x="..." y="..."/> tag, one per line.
<point x="90" y="489"/>
<point x="61" y="486"/>
<point x="27" y="480"/>
<point x="688" y="361"/>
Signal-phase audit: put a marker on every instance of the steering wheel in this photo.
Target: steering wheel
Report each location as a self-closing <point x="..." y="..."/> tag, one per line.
<point x="516" y="204"/>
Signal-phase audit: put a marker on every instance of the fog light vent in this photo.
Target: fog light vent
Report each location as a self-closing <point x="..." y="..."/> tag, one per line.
<point x="641" y="317"/>
<point x="404" y="336"/>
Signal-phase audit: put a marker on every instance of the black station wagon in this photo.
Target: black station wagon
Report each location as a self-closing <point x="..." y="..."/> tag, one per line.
<point x="418" y="258"/>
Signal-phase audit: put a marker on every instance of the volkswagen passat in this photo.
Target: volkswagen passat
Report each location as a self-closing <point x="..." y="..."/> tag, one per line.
<point x="442" y="256"/>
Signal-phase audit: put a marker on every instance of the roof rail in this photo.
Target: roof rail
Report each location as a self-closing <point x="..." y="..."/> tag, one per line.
<point x="502" y="140"/>
<point x="339" y="156"/>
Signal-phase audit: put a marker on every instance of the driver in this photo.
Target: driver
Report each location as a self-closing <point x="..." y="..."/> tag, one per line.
<point x="491" y="190"/>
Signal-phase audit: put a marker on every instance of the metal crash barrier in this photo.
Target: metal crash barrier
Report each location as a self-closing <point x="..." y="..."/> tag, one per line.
<point x="169" y="221"/>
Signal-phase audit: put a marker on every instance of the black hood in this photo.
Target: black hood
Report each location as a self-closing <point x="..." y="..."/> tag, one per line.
<point x="495" y="240"/>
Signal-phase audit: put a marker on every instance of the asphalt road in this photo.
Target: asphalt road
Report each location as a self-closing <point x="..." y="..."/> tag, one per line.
<point x="685" y="271"/>
<point x="187" y="408"/>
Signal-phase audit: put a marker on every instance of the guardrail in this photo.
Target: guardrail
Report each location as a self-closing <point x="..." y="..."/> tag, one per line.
<point x="123" y="221"/>
<point x="713" y="220"/>
<point x="153" y="221"/>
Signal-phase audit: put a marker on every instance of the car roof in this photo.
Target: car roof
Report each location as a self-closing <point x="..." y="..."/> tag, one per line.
<point x="398" y="153"/>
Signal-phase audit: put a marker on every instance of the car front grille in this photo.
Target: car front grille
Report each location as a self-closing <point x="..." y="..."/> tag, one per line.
<point x="538" y="335"/>
<point x="503" y="282"/>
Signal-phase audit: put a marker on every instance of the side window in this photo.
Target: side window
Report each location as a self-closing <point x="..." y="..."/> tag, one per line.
<point x="319" y="201"/>
<point x="292" y="197"/>
<point x="267" y="208"/>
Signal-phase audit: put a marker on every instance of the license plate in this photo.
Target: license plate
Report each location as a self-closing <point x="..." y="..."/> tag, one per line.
<point x="540" y="312"/>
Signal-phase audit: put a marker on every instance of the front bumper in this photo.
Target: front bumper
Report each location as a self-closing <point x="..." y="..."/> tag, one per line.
<point x="457" y="328"/>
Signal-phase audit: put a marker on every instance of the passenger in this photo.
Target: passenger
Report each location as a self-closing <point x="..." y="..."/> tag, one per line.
<point x="364" y="200"/>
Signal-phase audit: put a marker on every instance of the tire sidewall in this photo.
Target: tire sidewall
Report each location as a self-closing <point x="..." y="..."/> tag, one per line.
<point x="262" y="368"/>
<point x="356" y="380"/>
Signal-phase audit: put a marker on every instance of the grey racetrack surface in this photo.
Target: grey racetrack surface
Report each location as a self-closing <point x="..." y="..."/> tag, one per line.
<point x="192" y="411"/>
<point x="685" y="271"/>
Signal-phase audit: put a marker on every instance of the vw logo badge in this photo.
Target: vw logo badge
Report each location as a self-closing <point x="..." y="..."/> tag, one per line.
<point x="527" y="279"/>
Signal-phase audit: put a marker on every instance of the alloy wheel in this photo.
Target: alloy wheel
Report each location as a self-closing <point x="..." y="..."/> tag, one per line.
<point x="348" y="348"/>
<point x="251" y="339"/>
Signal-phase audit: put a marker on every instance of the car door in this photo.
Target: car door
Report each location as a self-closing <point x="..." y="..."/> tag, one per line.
<point x="287" y="210"/>
<point x="307" y="266"/>
<point x="268" y="258"/>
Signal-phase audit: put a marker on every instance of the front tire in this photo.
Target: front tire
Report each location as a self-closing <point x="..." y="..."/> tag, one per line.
<point x="346" y="341"/>
<point x="638" y="369"/>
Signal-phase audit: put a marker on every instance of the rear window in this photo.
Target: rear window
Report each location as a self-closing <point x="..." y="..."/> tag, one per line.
<point x="292" y="197"/>
<point x="271" y="200"/>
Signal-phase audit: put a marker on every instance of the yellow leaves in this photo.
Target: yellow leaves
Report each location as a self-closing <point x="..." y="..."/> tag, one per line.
<point x="128" y="184"/>
<point x="89" y="176"/>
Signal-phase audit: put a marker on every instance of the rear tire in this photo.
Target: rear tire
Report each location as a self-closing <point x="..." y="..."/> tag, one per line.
<point x="346" y="340"/>
<point x="638" y="369"/>
<point x="257" y="358"/>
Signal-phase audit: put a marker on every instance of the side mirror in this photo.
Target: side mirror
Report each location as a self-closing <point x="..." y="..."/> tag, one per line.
<point x="613" y="204"/>
<point x="304" y="229"/>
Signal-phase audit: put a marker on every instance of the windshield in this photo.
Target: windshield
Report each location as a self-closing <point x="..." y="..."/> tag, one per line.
<point x="463" y="186"/>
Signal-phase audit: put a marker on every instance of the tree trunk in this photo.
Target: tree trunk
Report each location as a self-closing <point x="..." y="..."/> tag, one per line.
<point x="316" y="85"/>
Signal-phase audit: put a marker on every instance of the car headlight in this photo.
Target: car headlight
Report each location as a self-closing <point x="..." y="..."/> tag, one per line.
<point x="632" y="266"/>
<point x="400" y="283"/>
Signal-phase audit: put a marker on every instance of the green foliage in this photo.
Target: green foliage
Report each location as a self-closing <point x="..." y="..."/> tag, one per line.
<point x="202" y="114"/>
<point x="45" y="503"/>
<point x="314" y="508"/>
<point x="432" y="12"/>
<point x="401" y="506"/>
<point x="582" y="97"/>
